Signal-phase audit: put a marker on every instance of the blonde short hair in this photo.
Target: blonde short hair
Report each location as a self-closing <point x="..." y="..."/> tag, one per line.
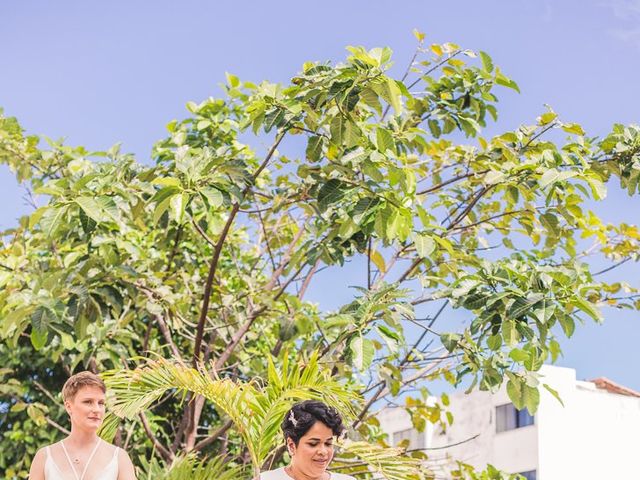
<point x="79" y="380"/>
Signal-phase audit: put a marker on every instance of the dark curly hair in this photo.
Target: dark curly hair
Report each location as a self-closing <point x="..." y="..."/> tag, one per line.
<point x="304" y="415"/>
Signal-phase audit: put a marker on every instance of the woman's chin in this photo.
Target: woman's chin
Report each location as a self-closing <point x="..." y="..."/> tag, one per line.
<point x="319" y="467"/>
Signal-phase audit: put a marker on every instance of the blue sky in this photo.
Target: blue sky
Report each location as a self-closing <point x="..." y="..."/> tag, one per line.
<point x="98" y="73"/>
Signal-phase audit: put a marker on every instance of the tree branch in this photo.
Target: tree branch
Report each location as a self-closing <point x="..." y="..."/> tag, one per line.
<point x="214" y="436"/>
<point x="218" y="250"/>
<point x="166" y="454"/>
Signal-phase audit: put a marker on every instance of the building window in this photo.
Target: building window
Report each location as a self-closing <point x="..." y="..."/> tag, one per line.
<point x="416" y="438"/>
<point x="508" y="418"/>
<point x="530" y="475"/>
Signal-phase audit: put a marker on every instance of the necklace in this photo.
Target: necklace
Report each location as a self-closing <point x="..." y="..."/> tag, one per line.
<point x="76" y="460"/>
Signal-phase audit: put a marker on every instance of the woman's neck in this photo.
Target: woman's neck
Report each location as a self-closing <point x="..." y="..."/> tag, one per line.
<point x="298" y="475"/>
<point x="81" y="438"/>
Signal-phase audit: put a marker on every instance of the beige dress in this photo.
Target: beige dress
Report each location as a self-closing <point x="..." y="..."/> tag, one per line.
<point x="53" y="472"/>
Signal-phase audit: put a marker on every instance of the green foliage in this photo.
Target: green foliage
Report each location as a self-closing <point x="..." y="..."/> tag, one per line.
<point x="203" y="257"/>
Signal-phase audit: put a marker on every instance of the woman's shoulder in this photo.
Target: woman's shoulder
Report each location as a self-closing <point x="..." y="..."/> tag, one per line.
<point x="277" y="474"/>
<point x="341" y="476"/>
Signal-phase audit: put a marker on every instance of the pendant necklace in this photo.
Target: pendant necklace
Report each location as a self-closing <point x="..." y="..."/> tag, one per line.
<point x="76" y="460"/>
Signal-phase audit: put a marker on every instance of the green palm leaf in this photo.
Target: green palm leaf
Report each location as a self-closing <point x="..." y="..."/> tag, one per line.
<point x="188" y="467"/>
<point x="257" y="414"/>
<point x="362" y="458"/>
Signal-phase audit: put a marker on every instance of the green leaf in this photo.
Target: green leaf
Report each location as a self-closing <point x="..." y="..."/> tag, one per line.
<point x="550" y="223"/>
<point x="52" y="219"/>
<point x="275" y="118"/>
<point x="568" y="324"/>
<point x="598" y="188"/>
<point x="588" y="308"/>
<point x="378" y="260"/>
<point x="523" y="395"/>
<point x="161" y="209"/>
<point x="510" y="333"/>
<point x="548" y="177"/>
<point x="573" y="128"/>
<point x="40" y="327"/>
<point x="394" y="95"/>
<point x="337" y="129"/>
<point x="553" y="392"/>
<point x="518" y="355"/>
<point x="331" y="192"/>
<point x="494" y="342"/>
<point x="534" y="360"/>
<point x="450" y="341"/>
<point x="314" y="148"/>
<point x="178" y="204"/>
<point x="88" y="224"/>
<point x="92" y="208"/>
<point x="369" y="97"/>
<point x="164" y="193"/>
<point x="213" y="195"/>
<point x="362" y="352"/>
<point x="505" y="81"/>
<point x="232" y="80"/>
<point x="547" y="118"/>
<point x="425" y="245"/>
<point x="384" y="140"/>
<point x="487" y="63"/>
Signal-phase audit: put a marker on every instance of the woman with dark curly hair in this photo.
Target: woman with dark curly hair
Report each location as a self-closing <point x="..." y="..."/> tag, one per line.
<point x="309" y="428"/>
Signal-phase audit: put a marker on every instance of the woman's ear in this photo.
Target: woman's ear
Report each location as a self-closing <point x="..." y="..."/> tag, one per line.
<point x="291" y="447"/>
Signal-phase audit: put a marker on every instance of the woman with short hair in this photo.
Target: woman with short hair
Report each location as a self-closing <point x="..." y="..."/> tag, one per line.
<point x="83" y="455"/>
<point x="309" y="428"/>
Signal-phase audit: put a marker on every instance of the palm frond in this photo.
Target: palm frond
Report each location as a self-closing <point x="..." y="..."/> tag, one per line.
<point x="135" y="391"/>
<point x="257" y="414"/>
<point x="292" y="383"/>
<point x="109" y="427"/>
<point x="189" y="467"/>
<point x="362" y="458"/>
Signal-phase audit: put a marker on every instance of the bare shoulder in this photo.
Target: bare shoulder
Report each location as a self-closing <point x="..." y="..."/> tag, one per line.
<point x="126" y="470"/>
<point x="36" y="472"/>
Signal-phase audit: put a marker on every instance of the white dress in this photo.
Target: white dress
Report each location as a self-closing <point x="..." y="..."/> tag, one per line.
<point x="52" y="471"/>
<point x="280" y="474"/>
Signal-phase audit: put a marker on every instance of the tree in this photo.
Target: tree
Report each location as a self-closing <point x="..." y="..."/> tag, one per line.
<point x="201" y="260"/>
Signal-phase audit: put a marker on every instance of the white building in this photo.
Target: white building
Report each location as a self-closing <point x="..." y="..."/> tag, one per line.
<point x="595" y="436"/>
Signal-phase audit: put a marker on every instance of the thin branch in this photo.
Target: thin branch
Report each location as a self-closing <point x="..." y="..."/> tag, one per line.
<point x="57" y="426"/>
<point x="450" y="181"/>
<point x="174" y="249"/>
<point x="369" y="264"/>
<point x="615" y="265"/>
<point x="307" y="279"/>
<point x="486" y="220"/>
<point x="434" y="68"/>
<point x="469" y="207"/>
<point x="218" y="250"/>
<point x="539" y="134"/>
<point x="166" y="454"/>
<point x="214" y="436"/>
<point x="42" y="388"/>
<point x="202" y="233"/>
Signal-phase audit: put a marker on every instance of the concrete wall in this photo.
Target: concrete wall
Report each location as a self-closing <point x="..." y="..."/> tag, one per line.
<point x="513" y="451"/>
<point x="596" y="435"/>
